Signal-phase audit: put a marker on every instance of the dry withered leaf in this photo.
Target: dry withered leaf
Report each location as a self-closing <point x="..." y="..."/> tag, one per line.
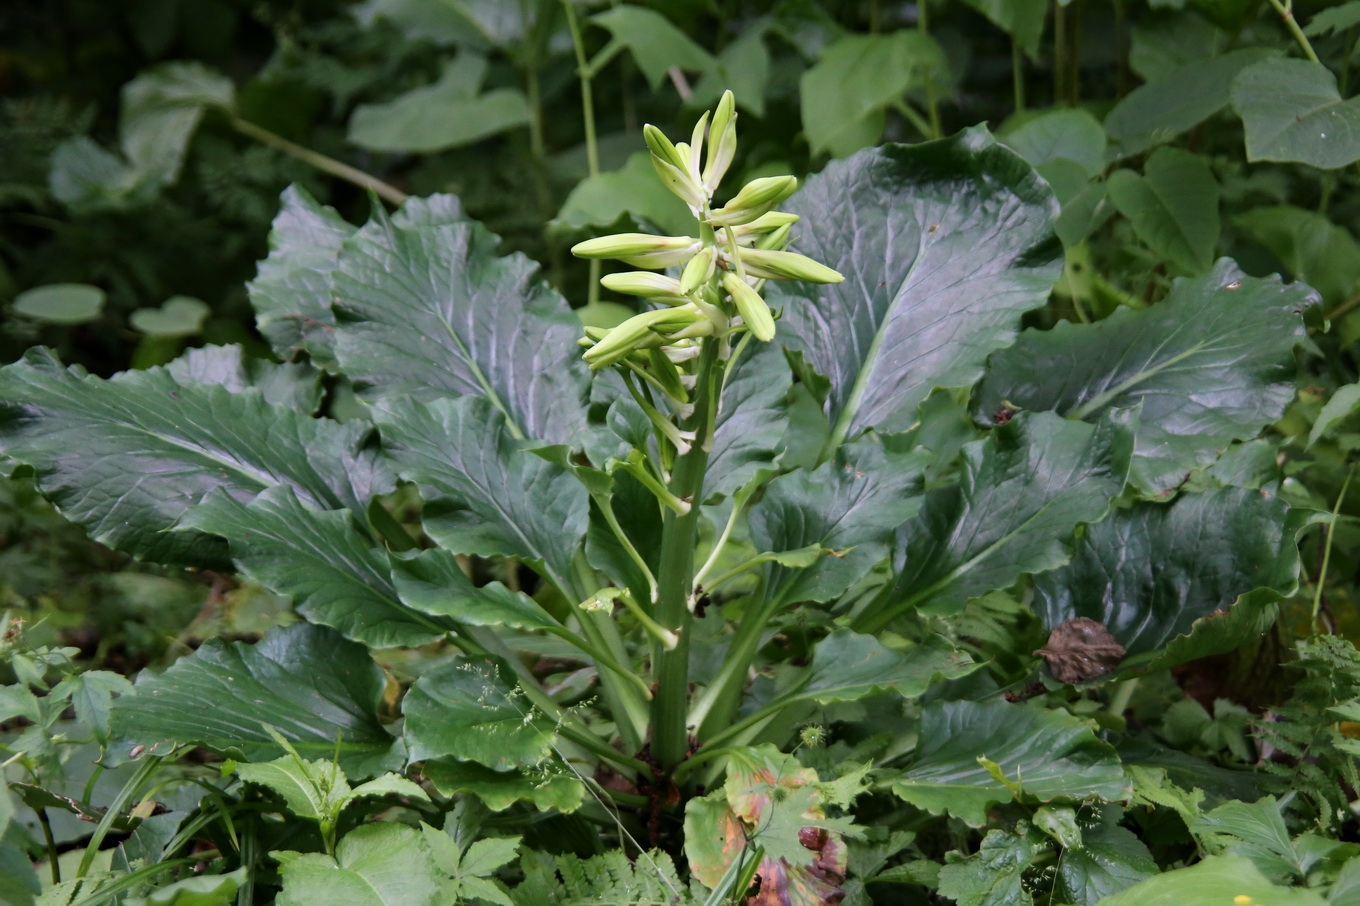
<point x="1081" y="649"/>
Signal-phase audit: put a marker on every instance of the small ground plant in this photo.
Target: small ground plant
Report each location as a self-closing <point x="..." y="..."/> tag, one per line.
<point x="795" y="578"/>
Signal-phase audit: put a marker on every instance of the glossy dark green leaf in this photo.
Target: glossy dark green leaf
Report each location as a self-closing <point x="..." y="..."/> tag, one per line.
<point x="1021" y="494"/>
<point x="1110" y="859"/>
<point x="856" y="79"/>
<point x="752" y="420"/>
<point x="449" y="113"/>
<point x="1173" y="207"/>
<point x="1051" y="754"/>
<point x="470" y="710"/>
<point x="428" y="311"/>
<point x="994" y="875"/>
<point x="502" y="789"/>
<point x="944" y="246"/>
<point x="318" y="690"/>
<point x="1149" y="572"/>
<point x="291" y="293"/>
<point x="127" y="457"/>
<point x="848" y="665"/>
<point x="1211" y="363"/>
<point x="1177" y="101"/>
<point x="334" y="574"/>
<point x="1292" y="111"/>
<point x="484" y="492"/>
<point x="849" y="505"/>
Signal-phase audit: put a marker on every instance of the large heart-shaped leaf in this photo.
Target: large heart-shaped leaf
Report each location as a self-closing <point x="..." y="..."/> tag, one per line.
<point x="484" y="492"/>
<point x="335" y="576"/>
<point x="1021" y="494"/>
<point x="128" y="456"/>
<point x="1172" y="103"/>
<point x="427" y="311"/>
<point x="856" y="78"/>
<point x="1211" y="363"/>
<point x="1150" y="571"/>
<point x="470" y="710"/>
<point x="1050" y="754"/>
<point x="1173" y="207"/>
<point x="318" y="690"/>
<point x="848" y="506"/>
<point x="944" y="245"/>
<point x="291" y="293"/>
<point x="1292" y="111"/>
<point x="655" y="43"/>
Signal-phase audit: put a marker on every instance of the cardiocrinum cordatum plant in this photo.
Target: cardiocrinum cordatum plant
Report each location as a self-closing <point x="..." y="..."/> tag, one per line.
<point x="742" y="583"/>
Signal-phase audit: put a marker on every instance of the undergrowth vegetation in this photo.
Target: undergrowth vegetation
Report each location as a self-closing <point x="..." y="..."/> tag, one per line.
<point x="705" y="452"/>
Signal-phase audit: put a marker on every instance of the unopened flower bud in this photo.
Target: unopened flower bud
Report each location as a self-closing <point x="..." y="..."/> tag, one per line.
<point x="673" y="167"/>
<point x="646" y="284"/>
<point x="774" y="265"/>
<point x="640" y="249"/>
<point x="699" y="270"/>
<point x="750" y="306"/>
<point x="636" y="331"/>
<point x="756" y="198"/>
<point x="750" y="233"/>
<point x="776" y="239"/>
<point x="722" y="142"/>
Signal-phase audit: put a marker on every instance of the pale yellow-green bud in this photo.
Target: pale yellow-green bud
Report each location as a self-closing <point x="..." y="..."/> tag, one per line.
<point x="699" y="270"/>
<point x="636" y="332"/>
<point x="750" y="306"/>
<point x="696" y="145"/>
<point x="646" y="284"/>
<point x="775" y="265"/>
<point x="640" y="249"/>
<point x="776" y="239"/>
<point x="755" y="198"/>
<point x="722" y="142"/>
<point x="750" y="233"/>
<point x="673" y="166"/>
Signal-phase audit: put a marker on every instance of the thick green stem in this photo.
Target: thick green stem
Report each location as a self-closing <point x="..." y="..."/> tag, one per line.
<point x="320" y="161"/>
<point x="1018" y="76"/>
<point x="675" y="579"/>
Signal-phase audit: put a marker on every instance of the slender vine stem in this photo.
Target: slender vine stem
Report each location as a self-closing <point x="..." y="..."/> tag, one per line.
<point x="932" y="101"/>
<point x="1286" y="11"/>
<point x="1327" y="547"/>
<point x="385" y="191"/>
<point x="585" y="75"/>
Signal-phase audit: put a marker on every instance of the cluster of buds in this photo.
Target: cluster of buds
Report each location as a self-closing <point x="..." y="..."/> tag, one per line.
<point x="717" y="293"/>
